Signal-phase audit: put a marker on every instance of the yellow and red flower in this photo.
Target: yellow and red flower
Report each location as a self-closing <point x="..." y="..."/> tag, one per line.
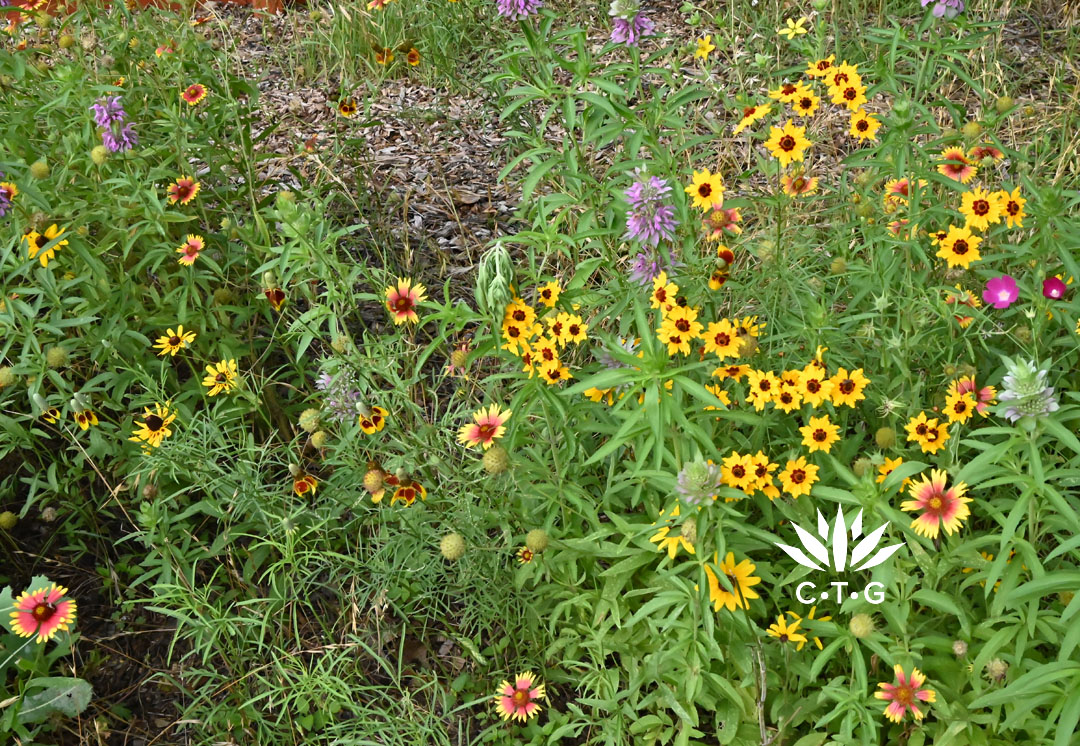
<point x="788" y="143"/>
<point x="85" y="418"/>
<point x="276" y="296"/>
<point x="956" y="166"/>
<point x="194" y="93"/>
<point x="487" y="426"/>
<point x="940" y="508"/>
<point x="189" y="250"/>
<point x="519" y="700"/>
<point x="183" y="190"/>
<point x="403" y="298"/>
<point x="154" y="427"/>
<point x="408" y="491"/>
<point x="221" y="377"/>
<point x="373" y="420"/>
<point x="43" y="612"/>
<point x="751" y="114"/>
<point x="905" y="695"/>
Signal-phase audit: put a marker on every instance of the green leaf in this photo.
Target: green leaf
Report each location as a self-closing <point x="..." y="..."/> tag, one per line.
<point x="60" y="695"/>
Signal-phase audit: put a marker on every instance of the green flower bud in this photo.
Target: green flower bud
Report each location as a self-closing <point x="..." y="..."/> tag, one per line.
<point x="99" y="155"/>
<point x="452" y="547"/>
<point x="1004" y="104"/>
<point x="39" y="169"/>
<point x="8" y="520"/>
<point x="536" y="540"/>
<point x="885" y="437"/>
<point x="496" y="460"/>
<point x="56" y="357"/>
<point x="319" y="438"/>
<point x="862" y="467"/>
<point x="861" y="626"/>
<point x="971" y="129"/>
<point x="7" y="376"/>
<point x="309" y="420"/>
<point x="838" y="266"/>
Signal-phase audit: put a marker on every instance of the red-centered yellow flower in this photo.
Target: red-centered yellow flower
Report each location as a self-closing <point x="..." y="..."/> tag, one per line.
<point x="735" y="372"/>
<point x="597" y="395"/>
<point x="737" y="590"/>
<point x="221" y="377"/>
<point x="788" y="398"/>
<point x="981" y="208"/>
<point x="815" y="386"/>
<point x="403" y="298"/>
<point x="820" y="434"/>
<point x="706" y="190"/>
<point x="408" y="491"/>
<point x="797" y="184"/>
<point x="788" y="143"/>
<point x="544" y="351"/>
<point x="940" y="508"/>
<point x="549" y="294"/>
<point x="679" y="327"/>
<point x="555" y="373"/>
<point x="798" y="477"/>
<point x="190" y="249"/>
<point x="847" y="388"/>
<point x="85" y="418"/>
<point x="663" y="293"/>
<point x="788" y="92"/>
<point x="576" y="329"/>
<point x="864" y="125"/>
<point x="183" y="190"/>
<point x="487" y="426"/>
<point x="960" y="407"/>
<point x="373" y="420"/>
<point x="43" y="612"/>
<point x="887" y="468"/>
<point x="986" y="395"/>
<point x="851" y="95"/>
<point x="1012" y="205"/>
<point x="304" y="484"/>
<point x="763" y="470"/>
<point x="722" y="339"/>
<point x="521" y="313"/>
<point x="956" y="166"/>
<point x="154" y="427"/>
<point x="785" y="632"/>
<point x="841" y="76"/>
<point x="47" y="243"/>
<point x="347" y="107"/>
<point x="720" y="394"/>
<point x="763" y="387"/>
<point x="413" y="57"/>
<point x="820" y="68"/>
<point x="669" y="537"/>
<point x="517" y="336"/>
<point x="737" y="471"/>
<point x="193" y="94"/>
<point x="751" y="114"/>
<point x="928" y="433"/>
<point x="525" y="555"/>
<point x="173" y="341"/>
<point x="959" y="248"/>
<point x="905" y="695"/>
<point x="519" y="700"/>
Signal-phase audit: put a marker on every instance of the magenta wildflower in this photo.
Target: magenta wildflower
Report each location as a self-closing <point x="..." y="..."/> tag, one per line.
<point x="1054" y="288"/>
<point x="649" y="219"/>
<point x="117" y="134"/>
<point x="630" y="31"/>
<point x="1001" y="292"/>
<point x="948" y="8"/>
<point x="518" y="10"/>
<point x="108" y="109"/>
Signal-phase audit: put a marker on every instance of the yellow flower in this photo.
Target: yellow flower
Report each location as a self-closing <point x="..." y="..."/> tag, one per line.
<point x="981" y="208"/>
<point x="810" y="617"/>
<point x="549" y="294"/>
<point x="847" y="389"/>
<point x="751" y="114"/>
<point x="704" y="46"/>
<point x="707" y="190"/>
<point x="793" y="29"/>
<point x="959" y="248"/>
<point x="680" y="326"/>
<point x="798" y="477"/>
<point x="1012" y="204"/>
<point x="38" y="242"/>
<point x="220" y="377"/>
<point x="863" y="125"/>
<point x="670" y="542"/>
<point x="820" y="434"/>
<point x="174" y="341"/>
<point x="785" y="632"/>
<point x="738" y="590"/>
<point x="787" y="143"/>
<point x="960" y="407"/>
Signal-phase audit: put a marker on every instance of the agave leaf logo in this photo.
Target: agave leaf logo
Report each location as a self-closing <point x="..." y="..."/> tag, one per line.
<point x="815" y="552"/>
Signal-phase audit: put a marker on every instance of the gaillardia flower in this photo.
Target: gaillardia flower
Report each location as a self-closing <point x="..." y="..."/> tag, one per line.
<point x="905" y="694"/>
<point x="173" y="341"/>
<point x="43" y="612"/>
<point x="347" y="107"/>
<point x="190" y="249"/>
<point x="489" y="424"/>
<point x="941" y="507"/>
<point x="183" y="190"/>
<point x="402" y="300"/>
<point x="194" y="93"/>
<point x="372" y="421"/>
<point x="519" y="700"/>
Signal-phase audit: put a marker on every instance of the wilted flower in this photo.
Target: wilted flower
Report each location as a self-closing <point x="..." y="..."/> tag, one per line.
<point x="1025" y="392"/>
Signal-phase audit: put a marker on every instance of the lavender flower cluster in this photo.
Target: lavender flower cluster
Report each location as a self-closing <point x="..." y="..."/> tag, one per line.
<point x="5" y="198"/>
<point x="342" y="395"/>
<point x="947" y="8"/>
<point x="649" y="220"/>
<point x="518" y="10"/>
<point x="630" y="25"/>
<point x="117" y="134"/>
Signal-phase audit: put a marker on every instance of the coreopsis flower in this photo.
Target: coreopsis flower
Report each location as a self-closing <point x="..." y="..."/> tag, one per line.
<point x="698" y="481"/>
<point x="722" y="339"/>
<point x="788" y="92"/>
<point x="956" y="166"/>
<point x="521" y="313"/>
<point x="51" y="415"/>
<point x="959" y="248"/>
<point x="887" y="468"/>
<point x="1001" y="292"/>
<point x="304" y="484"/>
<point x="631" y="30"/>
<point x="1054" y="288"/>
<point x="372" y="420"/>
<point x="737" y="591"/>
<point x="720" y="221"/>
<point x="847" y="388"/>
<point x="981" y="209"/>
<point x="555" y="373"/>
<point x="154" y="426"/>
<point x="193" y="94"/>
<point x="793" y="28"/>
<point x="704" y="46"/>
<point x="545" y="350"/>
<point x="707" y="190"/>
<point x="173" y="341"/>
<point x="815" y="386"/>
<point x="549" y="294"/>
<point x="413" y="57"/>
<point x="785" y="632"/>
<point x="843" y="76"/>
<point x="670" y="537"/>
<point x="525" y="555"/>
<point x="763" y="386"/>
<point x="183" y="190"/>
<point x="959" y="407"/>
<point x="408" y="491"/>
<point x="576" y="330"/>
<point x="221" y="377"/>
<point x="85" y="418"/>
<point x="191" y="248"/>
<point x="851" y="95"/>
<point x="517" y="10"/>
<point x="820" y="434"/>
<point x="46" y="244"/>
<point x="788" y="398"/>
<point x="751" y="114"/>
<point x="820" y="68"/>
<point x="763" y="469"/>
<point x="487" y="426"/>
<point x="734" y="372"/>
<point x="679" y="327"/>
<point x="403" y="298"/>
<point x="384" y="56"/>
<point x="1012" y="205"/>
<point x="984" y="396"/>
<point x="927" y="432"/>
<point x="43" y="612"/>
<point x="805" y="103"/>
<point x="798" y="477"/>
<point x="797" y="184"/>
<point x="787" y="143"/>
<point x="939" y="508"/>
<point x="737" y="471"/>
<point x="720" y="394"/>
<point x="519" y="700"/>
<point x="649" y="218"/>
<point x="1024" y="391"/>
<point x="347" y="107"/>
<point x="276" y="296"/>
<point x="864" y="125"/>
<point x="908" y="691"/>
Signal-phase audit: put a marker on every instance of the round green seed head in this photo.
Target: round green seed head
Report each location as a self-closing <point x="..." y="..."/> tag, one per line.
<point x="452" y="547"/>
<point x="536" y="540"/>
<point x="861" y="626"/>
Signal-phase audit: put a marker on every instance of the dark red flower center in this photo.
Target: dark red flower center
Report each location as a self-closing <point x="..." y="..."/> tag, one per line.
<point x="518" y="315"/>
<point x="960" y="247"/>
<point x="850" y="94"/>
<point x="221" y="378"/>
<point x="738" y="471"/>
<point x="722" y="339"/>
<point x="847" y="386"/>
<point x="174" y="340"/>
<point x="575" y="330"/>
<point x="764" y="385"/>
<point x="820" y="435"/>
<point x="41" y="240"/>
<point x="44" y="611"/>
<point x="748" y="111"/>
<point x="788" y="89"/>
<point x="787" y="142"/>
<point x="682" y="325"/>
<point x="704" y="189"/>
<point x="980" y="207"/>
<point x="513" y="332"/>
<point x="1012" y="207"/>
<point x="862" y="125"/>
<point x="798" y="476"/>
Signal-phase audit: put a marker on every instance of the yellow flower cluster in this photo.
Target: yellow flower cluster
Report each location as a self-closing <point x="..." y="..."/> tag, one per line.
<point x="959" y="245"/>
<point x="539" y="348"/>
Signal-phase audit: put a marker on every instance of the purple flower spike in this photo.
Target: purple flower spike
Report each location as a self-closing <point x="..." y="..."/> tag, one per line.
<point x="631" y="31"/>
<point x="1001" y="292"/>
<point x="518" y="10"/>
<point x="649" y="219"/>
